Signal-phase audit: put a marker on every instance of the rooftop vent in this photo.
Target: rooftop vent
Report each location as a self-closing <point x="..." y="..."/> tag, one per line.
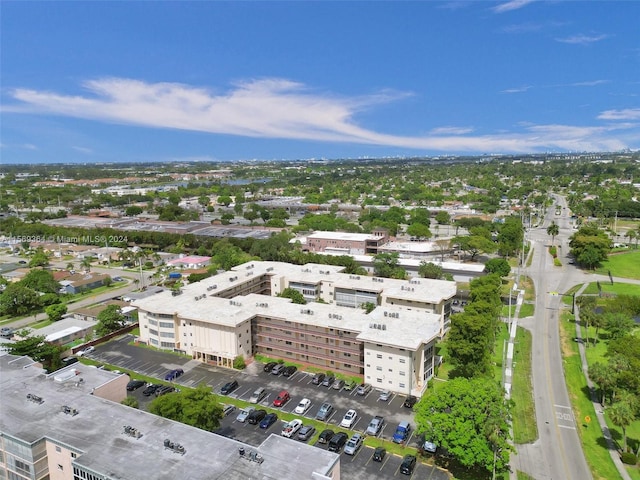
<point x="174" y="447"/>
<point x="34" y="398"/>
<point x="133" y="432"/>
<point x="252" y="456"/>
<point x="68" y="410"/>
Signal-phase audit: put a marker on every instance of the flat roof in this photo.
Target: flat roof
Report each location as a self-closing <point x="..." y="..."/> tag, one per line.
<point x="96" y="433"/>
<point x="345" y="236"/>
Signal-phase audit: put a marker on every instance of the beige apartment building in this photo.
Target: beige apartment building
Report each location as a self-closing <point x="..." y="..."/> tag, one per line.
<point x="238" y="313"/>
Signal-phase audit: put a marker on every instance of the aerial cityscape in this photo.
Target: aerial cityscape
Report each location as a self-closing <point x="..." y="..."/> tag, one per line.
<point x="320" y="240"/>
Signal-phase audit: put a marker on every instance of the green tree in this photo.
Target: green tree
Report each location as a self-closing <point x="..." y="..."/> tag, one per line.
<point x="430" y="270"/>
<point x="239" y="363"/>
<point x="499" y="266"/>
<point x="36" y="348"/>
<point x="602" y="375"/>
<point x="386" y="265"/>
<point x="133" y="210"/>
<point x="469" y="346"/>
<point x="109" y="320"/>
<point x="443" y="218"/>
<point x="224" y="200"/>
<point x="40" y="281"/>
<point x="86" y="263"/>
<point x="419" y="230"/>
<point x="56" y="311"/>
<point x="622" y="414"/>
<point x="196" y="407"/>
<point x="130" y="402"/>
<point x="294" y="295"/>
<point x="553" y="230"/>
<point x="470" y="419"/>
<point x="17" y="299"/>
<point x="590" y="245"/>
<point x="368" y="307"/>
<point x="618" y="325"/>
<point x="39" y="259"/>
<point x="474" y="245"/>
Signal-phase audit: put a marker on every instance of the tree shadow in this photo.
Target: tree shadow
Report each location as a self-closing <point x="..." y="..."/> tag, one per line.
<point x="461" y="472"/>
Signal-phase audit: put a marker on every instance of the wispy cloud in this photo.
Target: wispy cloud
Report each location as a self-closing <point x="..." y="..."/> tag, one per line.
<point x="455" y="4"/>
<point x="624" y="114"/>
<point x="451" y="131"/>
<point x="28" y="146"/>
<point x="582" y="39"/>
<point x="279" y="108"/>
<point x="529" y="27"/>
<point x="82" y="149"/>
<point x="511" y="5"/>
<point x="517" y="89"/>
<point x="592" y="83"/>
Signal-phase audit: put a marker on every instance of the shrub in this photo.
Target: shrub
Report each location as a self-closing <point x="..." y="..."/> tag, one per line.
<point x="629" y="458"/>
<point x="553" y="251"/>
<point x="557" y="262"/>
<point x="238" y="363"/>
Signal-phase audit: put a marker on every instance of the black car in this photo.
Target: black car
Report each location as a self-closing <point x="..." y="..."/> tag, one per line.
<point x="290" y="370"/>
<point x="229" y="387"/>
<point x="134" y="384"/>
<point x="256" y="416"/>
<point x="410" y="401"/>
<point x="69" y="361"/>
<point x="337" y="441"/>
<point x="268" y="420"/>
<point x="269" y="366"/>
<point x="378" y="454"/>
<point x="408" y="464"/>
<point x="318" y="378"/>
<point x="328" y="381"/>
<point x="325" y="436"/>
<point x="306" y="432"/>
<point x="150" y="390"/>
<point x="164" y="390"/>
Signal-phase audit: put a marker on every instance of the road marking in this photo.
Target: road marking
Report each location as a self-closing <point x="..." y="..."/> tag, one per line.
<point x="567" y="426"/>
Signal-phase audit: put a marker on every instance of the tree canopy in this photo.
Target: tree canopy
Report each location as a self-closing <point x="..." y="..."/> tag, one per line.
<point x="109" y="320"/>
<point x="196" y="407"/>
<point x="469" y="419"/>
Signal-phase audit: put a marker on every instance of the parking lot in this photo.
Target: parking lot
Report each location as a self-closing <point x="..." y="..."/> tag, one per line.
<point x="359" y="466"/>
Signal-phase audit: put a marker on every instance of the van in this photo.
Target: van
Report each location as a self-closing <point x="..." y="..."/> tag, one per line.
<point x="402" y="432"/>
<point x="337" y="442"/>
<point x="258" y="395"/>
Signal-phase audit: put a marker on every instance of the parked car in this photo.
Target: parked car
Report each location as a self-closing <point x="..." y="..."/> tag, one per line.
<point x="228" y="409"/>
<point x="303" y="406"/>
<point x="306" y="432"/>
<point x="325" y="436"/>
<point x="328" y="381"/>
<point x="363" y="389"/>
<point x="385" y="396"/>
<point x="278" y="369"/>
<point x="269" y="366"/>
<point x="410" y="401"/>
<point x="337" y="442"/>
<point x="408" y="464"/>
<point x="350" y="386"/>
<point x="151" y="389"/>
<point x="6" y="332"/>
<point x="135" y="384"/>
<point x="229" y="387"/>
<point x="69" y="361"/>
<point x="173" y="374"/>
<point x="87" y="350"/>
<point x="163" y="390"/>
<point x="338" y="384"/>
<point x="290" y="370"/>
<point x="354" y="443"/>
<point x="349" y="419"/>
<point x="324" y="412"/>
<point x="244" y="413"/>
<point x="375" y="425"/>
<point x="268" y="420"/>
<point x="282" y="398"/>
<point x="258" y="395"/>
<point x="402" y="432"/>
<point x="256" y="416"/>
<point x="378" y="454"/>
<point x="318" y="378"/>
<point x="429" y="447"/>
<point x="291" y="428"/>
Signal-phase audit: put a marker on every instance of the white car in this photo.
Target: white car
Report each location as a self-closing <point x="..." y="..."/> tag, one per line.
<point x="82" y="353"/>
<point x="303" y="406"/>
<point x="349" y="419"/>
<point x="291" y="428"/>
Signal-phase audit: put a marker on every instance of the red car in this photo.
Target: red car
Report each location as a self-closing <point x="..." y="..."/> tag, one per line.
<point x="282" y="398"/>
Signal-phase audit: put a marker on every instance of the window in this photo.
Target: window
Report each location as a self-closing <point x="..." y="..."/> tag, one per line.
<point x="166" y="325"/>
<point x="166" y="334"/>
<point x="390" y="357"/>
<point x="58" y="449"/>
<point x="401" y="385"/>
<point x="378" y="380"/>
<point x="347" y="343"/>
<point x="153" y="332"/>
<point x="391" y="369"/>
<point x="288" y="343"/>
<point x="403" y="360"/>
<point x="402" y="373"/>
<point x="60" y="467"/>
<point x="379" y="355"/>
<point x="379" y="369"/>
<point x="167" y="344"/>
<point x="73" y="455"/>
<point x="368" y="353"/>
<point x="153" y="322"/>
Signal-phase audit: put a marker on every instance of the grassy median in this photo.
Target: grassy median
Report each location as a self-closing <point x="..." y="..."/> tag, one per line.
<point x="523" y="413"/>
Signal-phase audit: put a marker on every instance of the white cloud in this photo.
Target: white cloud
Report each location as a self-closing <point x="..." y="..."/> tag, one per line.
<point x="592" y="83"/>
<point x="624" y="114"/>
<point x="82" y="149"/>
<point x="582" y="39"/>
<point x="517" y="89"/>
<point x="511" y="5"/>
<point x="28" y="146"/>
<point x="451" y="130"/>
<point x="279" y="108"/>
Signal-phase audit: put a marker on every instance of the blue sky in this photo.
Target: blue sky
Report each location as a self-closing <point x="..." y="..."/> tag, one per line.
<point x="172" y="81"/>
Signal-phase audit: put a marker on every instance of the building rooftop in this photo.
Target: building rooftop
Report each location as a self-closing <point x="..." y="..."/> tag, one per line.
<point x="344" y="236"/>
<point x="96" y="432"/>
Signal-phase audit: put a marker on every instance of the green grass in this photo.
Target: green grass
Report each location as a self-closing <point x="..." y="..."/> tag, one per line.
<point x="524" y="476"/>
<point x="616" y="288"/>
<point x="527" y="310"/>
<point x="525" y="429"/>
<point x="41" y="324"/>
<point x="625" y="265"/>
<point x="593" y="443"/>
<point x="498" y="355"/>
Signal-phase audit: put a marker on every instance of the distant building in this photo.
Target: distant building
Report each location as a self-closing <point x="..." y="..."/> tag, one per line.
<point x="191" y="261"/>
<point x="347" y="243"/>
<point x="81" y="282"/>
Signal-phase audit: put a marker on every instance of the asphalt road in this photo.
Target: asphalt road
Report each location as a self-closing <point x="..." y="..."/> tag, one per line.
<point x="557" y="454"/>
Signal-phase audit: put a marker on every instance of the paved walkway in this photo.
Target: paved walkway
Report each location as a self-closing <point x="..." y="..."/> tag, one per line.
<point x="613" y="450"/>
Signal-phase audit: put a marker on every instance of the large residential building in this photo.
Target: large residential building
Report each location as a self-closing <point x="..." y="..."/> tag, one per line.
<point x="347" y="243"/>
<point x="239" y="313"/>
<point x="69" y="425"/>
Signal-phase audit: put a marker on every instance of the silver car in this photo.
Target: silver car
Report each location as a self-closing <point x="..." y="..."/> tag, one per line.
<point x="354" y="443"/>
<point x="244" y="413"/>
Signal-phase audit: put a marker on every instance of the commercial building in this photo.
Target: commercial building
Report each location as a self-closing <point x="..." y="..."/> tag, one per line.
<point x="239" y="313"/>
<point x="347" y="243"/>
<point x="69" y="425"/>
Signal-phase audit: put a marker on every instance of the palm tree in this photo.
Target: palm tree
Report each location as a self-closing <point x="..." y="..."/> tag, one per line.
<point x="622" y="414"/>
<point x="631" y="234"/>
<point x="71" y="266"/>
<point x="86" y="263"/>
<point x="553" y="230"/>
